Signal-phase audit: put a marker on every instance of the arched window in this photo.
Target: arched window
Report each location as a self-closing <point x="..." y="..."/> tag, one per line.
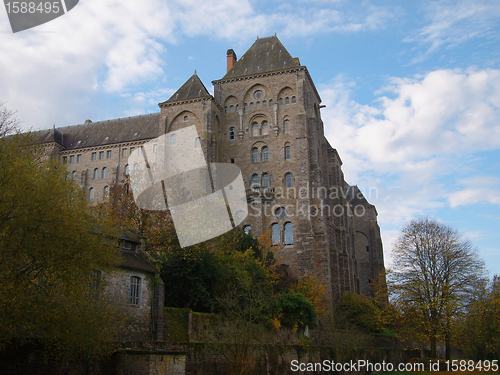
<point x="294" y="100"/>
<point x="255" y="155"/>
<point x="255" y="129"/>
<point x="287" y="100"/>
<point x="231" y="133"/>
<point x="105" y="192"/>
<point x="255" y="180"/>
<point x="231" y="108"/>
<point x="264" y="103"/>
<point x="96" y="174"/>
<point x="287" y="152"/>
<point x="270" y="102"/>
<point x="288" y="237"/>
<point x="288" y="180"/>
<point x="197" y="143"/>
<point x="281" y="101"/>
<point x="265" y="180"/>
<point x="265" y="154"/>
<point x="135" y="287"/>
<point x="185" y="118"/>
<point x="247" y="229"/>
<point x="105" y="172"/>
<point x="172" y="139"/>
<point x="286" y="124"/>
<point x="127" y="170"/>
<point x="265" y="128"/>
<point x="276" y="235"/>
<point x="251" y="105"/>
<point x="91" y="193"/>
<point x="73" y="175"/>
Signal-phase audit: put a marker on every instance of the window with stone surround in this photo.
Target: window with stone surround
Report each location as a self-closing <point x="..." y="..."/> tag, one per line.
<point x="231" y="133"/>
<point x="79" y="158"/>
<point x="105" y="172"/>
<point x="255" y="130"/>
<point x="96" y="174"/>
<point x="287" y="152"/>
<point x="255" y="180"/>
<point x="276" y="234"/>
<point x="135" y="288"/>
<point x="255" y="155"/>
<point x="265" y="153"/>
<point x="288" y="180"/>
<point x="93" y="156"/>
<point x="265" y="128"/>
<point x="265" y="180"/>
<point x="286" y="126"/>
<point x="288" y="237"/>
<point x="91" y="193"/>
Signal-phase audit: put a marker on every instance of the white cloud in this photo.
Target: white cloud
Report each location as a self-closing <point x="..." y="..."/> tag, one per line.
<point x="455" y="22"/>
<point x="478" y="189"/>
<point x="418" y="124"/>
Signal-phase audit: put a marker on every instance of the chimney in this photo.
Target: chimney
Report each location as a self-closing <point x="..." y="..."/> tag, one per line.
<point x="231" y="59"/>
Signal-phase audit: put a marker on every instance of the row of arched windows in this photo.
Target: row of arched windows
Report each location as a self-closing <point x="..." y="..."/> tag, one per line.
<point x="259" y="129"/>
<point x="103" y="174"/>
<point x="284" y="237"/>
<point x="258" y="104"/>
<point x="265" y="180"/>
<point x="105" y="192"/>
<point x="278" y="236"/>
<point x="263" y="155"/>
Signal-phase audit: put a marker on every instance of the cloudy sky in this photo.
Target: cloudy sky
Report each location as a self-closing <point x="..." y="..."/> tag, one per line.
<point x="412" y="89"/>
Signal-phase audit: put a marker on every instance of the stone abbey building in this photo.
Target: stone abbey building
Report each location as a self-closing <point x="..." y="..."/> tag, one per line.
<point x="265" y="117"/>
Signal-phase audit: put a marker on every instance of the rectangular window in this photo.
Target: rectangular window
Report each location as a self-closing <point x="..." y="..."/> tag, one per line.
<point x="101" y="155"/>
<point x="94" y="156"/>
<point x="124" y="152"/>
<point x="108" y="154"/>
<point x="139" y="150"/>
<point x="135" y="285"/>
<point x="368" y="249"/>
<point x="79" y="158"/>
<point x="64" y="159"/>
<point x="131" y="150"/>
<point x="72" y="159"/>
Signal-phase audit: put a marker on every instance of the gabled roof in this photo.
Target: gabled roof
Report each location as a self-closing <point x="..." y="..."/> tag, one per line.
<point x="106" y="132"/>
<point x="192" y="89"/>
<point x="133" y="260"/>
<point x="265" y="55"/>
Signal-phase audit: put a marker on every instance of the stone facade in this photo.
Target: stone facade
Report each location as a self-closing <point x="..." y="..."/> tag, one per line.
<point x="265" y="117"/>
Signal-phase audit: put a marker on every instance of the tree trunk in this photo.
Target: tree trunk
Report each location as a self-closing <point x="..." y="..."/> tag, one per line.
<point x="433" y="347"/>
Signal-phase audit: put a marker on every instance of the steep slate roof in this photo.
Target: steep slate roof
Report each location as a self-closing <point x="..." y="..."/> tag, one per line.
<point x="191" y="89"/>
<point x="265" y="55"/>
<point x="108" y="132"/>
<point x="135" y="261"/>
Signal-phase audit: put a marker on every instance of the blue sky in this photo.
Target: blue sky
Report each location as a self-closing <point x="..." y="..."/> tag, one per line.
<point x="412" y="89"/>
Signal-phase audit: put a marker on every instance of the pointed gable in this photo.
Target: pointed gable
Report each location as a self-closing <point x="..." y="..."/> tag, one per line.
<point x="265" y="55"/>
<point x="193" y="88"/>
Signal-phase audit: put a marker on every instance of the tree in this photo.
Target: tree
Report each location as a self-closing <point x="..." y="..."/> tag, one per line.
<point x="9" y="124"/>
<point x="51" y="249"/>
<point x="434" y="275"/>
<point x="480" y="332"/>
<point x="361" y="311"/>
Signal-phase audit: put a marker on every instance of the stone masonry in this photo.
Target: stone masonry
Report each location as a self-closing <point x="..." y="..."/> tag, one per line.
<point x="264" y="116"/>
